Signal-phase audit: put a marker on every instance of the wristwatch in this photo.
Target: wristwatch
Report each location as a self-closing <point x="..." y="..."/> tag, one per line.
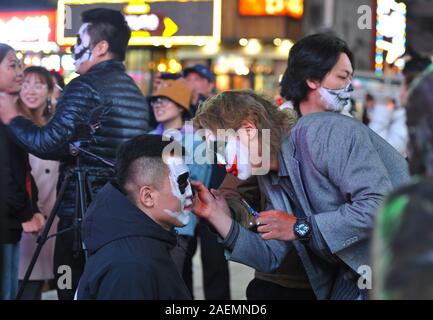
<point x="302" y="230"/>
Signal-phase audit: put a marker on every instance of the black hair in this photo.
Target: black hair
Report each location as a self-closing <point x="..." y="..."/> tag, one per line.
<point x="111" y="26"/>
<point x="414" y="67"/>
<point x="147" y="146"/>
<point x="369" y="97"/>
<point x="4" y="49"/>
<point x="59" y="79"/>
<point x="43" y="74"/>
<point x="311" y="58"/>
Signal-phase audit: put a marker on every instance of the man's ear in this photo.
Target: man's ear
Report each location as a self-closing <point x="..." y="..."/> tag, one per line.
<point x="102" y="48"/>
<point x="147" y="196"/>
<point x="313" y="84"/>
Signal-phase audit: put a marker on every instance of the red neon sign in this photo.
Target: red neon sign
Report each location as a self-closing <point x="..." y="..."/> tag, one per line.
<point x="28" y="26"/>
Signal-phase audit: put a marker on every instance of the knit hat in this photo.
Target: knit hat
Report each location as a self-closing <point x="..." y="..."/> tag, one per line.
<point x="176" y="90"/>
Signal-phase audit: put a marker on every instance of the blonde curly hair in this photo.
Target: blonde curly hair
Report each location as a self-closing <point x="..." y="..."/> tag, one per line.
<point x="229" y="109"/>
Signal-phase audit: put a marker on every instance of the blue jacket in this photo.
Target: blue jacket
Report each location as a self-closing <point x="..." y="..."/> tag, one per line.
<point x="128" y="253"/>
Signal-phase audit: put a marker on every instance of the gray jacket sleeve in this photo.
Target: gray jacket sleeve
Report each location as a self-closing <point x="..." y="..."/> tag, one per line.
<point x="250" y="249"/>
<point x="318" y="244"/>
<point x="247" y="247"/>
<point x="356" y="169"/>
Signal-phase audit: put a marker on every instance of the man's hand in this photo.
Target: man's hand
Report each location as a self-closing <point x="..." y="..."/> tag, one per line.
<point x="35" y="225"/>
<point x="276" y="225"/>
<point x="213" y="208"/>
<point x="8" y="107"/>
<point x="205" y="203"/>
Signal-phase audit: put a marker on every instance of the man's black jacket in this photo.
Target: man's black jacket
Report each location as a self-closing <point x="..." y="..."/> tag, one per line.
<point x="125" y="115"/>
<point x="129" y="254"/>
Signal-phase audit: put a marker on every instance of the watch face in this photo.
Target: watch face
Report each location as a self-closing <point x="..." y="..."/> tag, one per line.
<point x="302" y="229"/>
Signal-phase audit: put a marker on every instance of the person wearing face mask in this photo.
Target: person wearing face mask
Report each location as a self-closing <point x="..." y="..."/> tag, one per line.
<point x="389" y="119"/>
<point x="323" y="180"/>
<point x="129" y="227"/>
<point x="123" y="113"/>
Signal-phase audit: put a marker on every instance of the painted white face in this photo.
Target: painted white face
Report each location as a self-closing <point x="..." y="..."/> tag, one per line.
<point x="233" y="154"/>
<point x="181" y="188"/>
<point x="336" y="99"/>
<point x="81" y="51"/>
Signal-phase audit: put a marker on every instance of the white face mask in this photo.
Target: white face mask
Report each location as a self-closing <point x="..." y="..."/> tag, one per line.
<point x="81" y="51"/>
<point x="336" y="99"/>
<point x="181" y="188"/>
<point x="237" y="158"/>
<point x="233" y="155"/>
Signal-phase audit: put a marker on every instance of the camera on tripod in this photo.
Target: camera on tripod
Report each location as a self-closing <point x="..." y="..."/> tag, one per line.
<point x="84" y="136"/>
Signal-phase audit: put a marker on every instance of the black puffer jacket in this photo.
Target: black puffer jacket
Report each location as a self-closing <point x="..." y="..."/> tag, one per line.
<point x="129" y="254"/>
<point x="125" y="115"/>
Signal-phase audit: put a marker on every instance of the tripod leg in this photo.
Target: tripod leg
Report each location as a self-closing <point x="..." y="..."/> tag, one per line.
<point x="81" y="208"/>
<point x="44" y="236"/>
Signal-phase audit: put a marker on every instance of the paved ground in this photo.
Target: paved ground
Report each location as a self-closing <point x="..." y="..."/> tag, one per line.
<point x="240" y="276"/>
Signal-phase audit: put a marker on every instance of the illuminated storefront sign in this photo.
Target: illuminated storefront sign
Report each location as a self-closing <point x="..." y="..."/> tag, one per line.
<point x="390" y="33"/>
<point x="29" y="31"/>
<point x="156" y="22"/>
<point x="293" y="8"/>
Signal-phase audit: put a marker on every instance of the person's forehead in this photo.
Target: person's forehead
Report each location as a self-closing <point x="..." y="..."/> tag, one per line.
<point x="11" y="56"/>
<point x="83" y="29"/>
<point x="33" y="77"/>
<point x="344" y="64"/>
<point x="195" y="75"/>
<point x="176" y="164"/>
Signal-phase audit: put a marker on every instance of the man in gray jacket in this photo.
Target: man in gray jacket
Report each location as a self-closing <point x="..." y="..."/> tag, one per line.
<point x="326" y="178"/>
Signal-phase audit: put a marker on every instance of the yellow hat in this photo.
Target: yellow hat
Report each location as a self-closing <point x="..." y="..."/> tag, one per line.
<point x="176" y="90"/>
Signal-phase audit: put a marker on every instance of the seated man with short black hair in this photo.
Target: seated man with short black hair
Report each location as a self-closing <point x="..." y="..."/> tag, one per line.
<point x="128" y="228"/>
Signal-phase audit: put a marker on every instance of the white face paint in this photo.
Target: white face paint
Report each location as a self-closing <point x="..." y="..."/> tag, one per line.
<point x="238" y="160"/>
<point x="337" y="99"/>
<point x="81" y="51"/>
<point x="181" y="188"/>
<point x="233" y="154"/>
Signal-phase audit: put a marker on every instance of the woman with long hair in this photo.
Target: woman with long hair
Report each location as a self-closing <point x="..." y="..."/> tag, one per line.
<point x="35" y="103"/>
<point x="21" y="212"/>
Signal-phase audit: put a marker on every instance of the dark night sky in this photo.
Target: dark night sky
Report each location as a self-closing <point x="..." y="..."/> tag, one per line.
<point x="8" y="5"/>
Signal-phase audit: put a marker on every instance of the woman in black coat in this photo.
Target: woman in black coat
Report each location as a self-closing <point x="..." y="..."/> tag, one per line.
<point x="18" y="209"/>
